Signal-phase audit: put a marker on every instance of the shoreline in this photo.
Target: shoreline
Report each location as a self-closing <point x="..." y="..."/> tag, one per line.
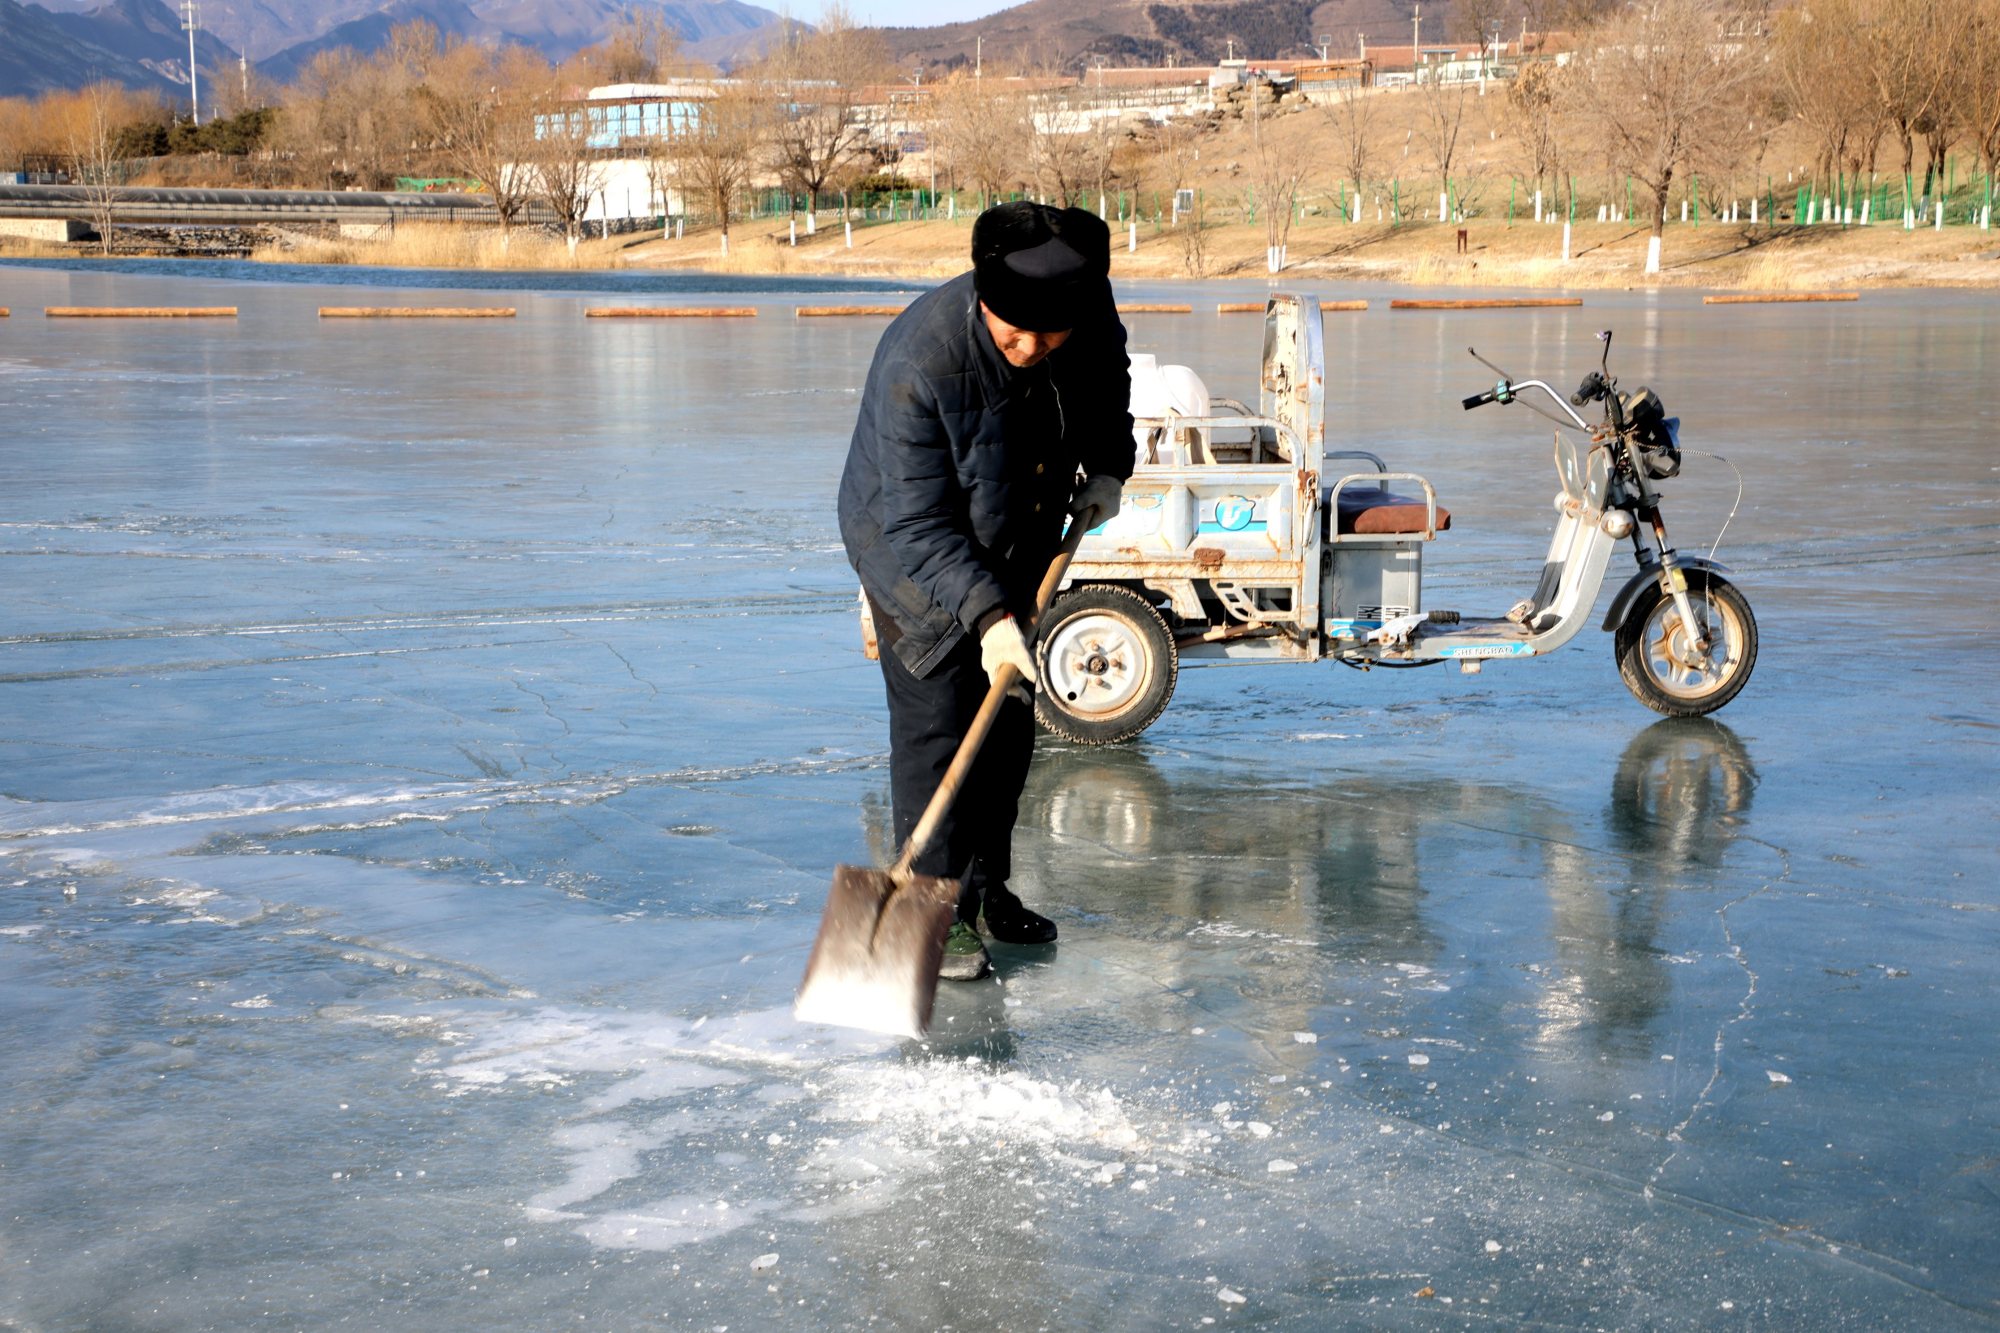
<point x="1524" y="254"/>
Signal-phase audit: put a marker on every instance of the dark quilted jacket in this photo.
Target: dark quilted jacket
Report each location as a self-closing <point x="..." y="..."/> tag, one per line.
<point x="962" y="466"/>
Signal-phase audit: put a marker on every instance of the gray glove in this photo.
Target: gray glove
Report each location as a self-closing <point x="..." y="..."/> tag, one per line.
<point x="1001" y="646"/>
<point x="1101" y="493"/>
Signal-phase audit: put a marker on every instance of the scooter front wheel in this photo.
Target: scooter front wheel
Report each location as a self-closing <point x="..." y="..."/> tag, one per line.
<point x="1659" y="659"/>
<point x="1108" y="665"/>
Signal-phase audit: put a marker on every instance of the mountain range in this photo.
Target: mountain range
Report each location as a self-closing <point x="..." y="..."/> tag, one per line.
<point x="1043" y="34"/>
<point x="65" y="43"/>
<point x="46" y="44"/>
<point x="139" y="43"/>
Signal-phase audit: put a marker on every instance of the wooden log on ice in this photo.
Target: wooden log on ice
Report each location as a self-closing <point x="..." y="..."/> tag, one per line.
<point x="139" y="313"/>
<point x="1156" y="309"/>
<point x="823" y="311"/>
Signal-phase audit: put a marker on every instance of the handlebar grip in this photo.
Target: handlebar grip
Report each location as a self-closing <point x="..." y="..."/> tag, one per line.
<point x="1479" y="400"/>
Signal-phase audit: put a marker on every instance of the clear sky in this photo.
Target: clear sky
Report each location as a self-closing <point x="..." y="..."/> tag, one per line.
<point x="911" y="13"/>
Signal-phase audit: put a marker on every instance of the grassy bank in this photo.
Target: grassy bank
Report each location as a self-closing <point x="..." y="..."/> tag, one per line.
<point x="1524" y="254"/>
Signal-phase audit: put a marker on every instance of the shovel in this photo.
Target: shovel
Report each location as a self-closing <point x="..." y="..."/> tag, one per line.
<point x="874" y="964"/>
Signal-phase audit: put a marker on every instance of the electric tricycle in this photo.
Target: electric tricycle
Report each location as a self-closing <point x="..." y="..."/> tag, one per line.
<point x="1240" y="540"/>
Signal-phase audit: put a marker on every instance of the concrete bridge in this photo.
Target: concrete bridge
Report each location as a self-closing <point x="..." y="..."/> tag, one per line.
<point x="66" y="208"/>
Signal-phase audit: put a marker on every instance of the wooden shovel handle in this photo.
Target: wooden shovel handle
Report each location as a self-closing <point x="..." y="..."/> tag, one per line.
<point x="982" y="721"/>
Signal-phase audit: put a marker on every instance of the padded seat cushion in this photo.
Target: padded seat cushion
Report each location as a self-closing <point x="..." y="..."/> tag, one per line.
<point x="1367" y="512"/>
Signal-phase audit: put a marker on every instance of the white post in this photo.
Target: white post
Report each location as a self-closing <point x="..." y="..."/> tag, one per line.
<point x="1753" y="211"/>
<point x="1357" y="206"/>
<point x="848" y="227"/>
<point x="681" y="227"/>
<point x="795" y="231"/>
<point x="1565" y="240"/>
<point x="1444" y="205"/>
<point x="1652" y="254"/>
<point x="1684" y="210"/>
<point x="1538" y="205"/>
<point x="1600" y="213"/>
<point x="1131" y="235"/>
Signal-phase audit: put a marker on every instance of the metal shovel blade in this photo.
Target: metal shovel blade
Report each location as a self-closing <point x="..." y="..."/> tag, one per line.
<point x="875" y="962"/>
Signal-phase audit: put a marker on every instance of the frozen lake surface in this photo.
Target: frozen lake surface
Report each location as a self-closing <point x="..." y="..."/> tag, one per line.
<point x="427" y="747"/>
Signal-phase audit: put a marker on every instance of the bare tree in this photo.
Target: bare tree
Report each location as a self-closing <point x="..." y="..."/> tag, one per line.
<point x="1065" y="156"/>
<point x="1534" y="112"/>
<point x="313" y="130"/>
<point x="90" y="122"/>
<point x="638" y="49"/>
<point x="562" y="161"/>
<point x="1476" y="20"/>
<point x="1912" y="51"/>
<point x="820" y="78"/>
<point x="475" y="106"/>
<point x="353" y="120"/>
<point x="1659" y="89"/>
<point x="1179" y="158"/>
<point x="1280" y="160"/>
<point x="1981" y="93"/>
<point x="1440" y="118"/>
<point x="1822" y="68"/>
<point x="18" y="131"/>
<point x="979" y="126"/>
<point x="717" y="158"/>
<point x="1351" y="118"/>
<point x="234" y="87"/>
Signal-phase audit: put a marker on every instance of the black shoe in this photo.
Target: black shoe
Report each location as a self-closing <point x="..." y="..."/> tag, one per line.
<point x="1007" y="921"/>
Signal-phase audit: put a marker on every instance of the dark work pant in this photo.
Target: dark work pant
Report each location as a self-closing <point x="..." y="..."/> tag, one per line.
<point x="927" y="720"/>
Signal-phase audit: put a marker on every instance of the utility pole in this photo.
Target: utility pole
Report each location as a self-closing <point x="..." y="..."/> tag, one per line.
<point x="1416" y="43"/>
<point x="191" y="20"/>
<point x="979" y="55"/>
<point x="1324" y="43"/>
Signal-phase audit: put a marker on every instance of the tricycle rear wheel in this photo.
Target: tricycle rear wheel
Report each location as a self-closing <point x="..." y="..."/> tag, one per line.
<point x="1656" y="655"/>
<point x="1108" y="665"/>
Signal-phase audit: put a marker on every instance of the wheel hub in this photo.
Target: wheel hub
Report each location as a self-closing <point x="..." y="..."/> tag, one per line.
<point x="1096" y="665"/>
<point x="1685" y="662"/>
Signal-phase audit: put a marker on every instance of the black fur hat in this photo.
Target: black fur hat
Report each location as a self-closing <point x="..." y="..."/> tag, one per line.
<point x="1040" y="268"/>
